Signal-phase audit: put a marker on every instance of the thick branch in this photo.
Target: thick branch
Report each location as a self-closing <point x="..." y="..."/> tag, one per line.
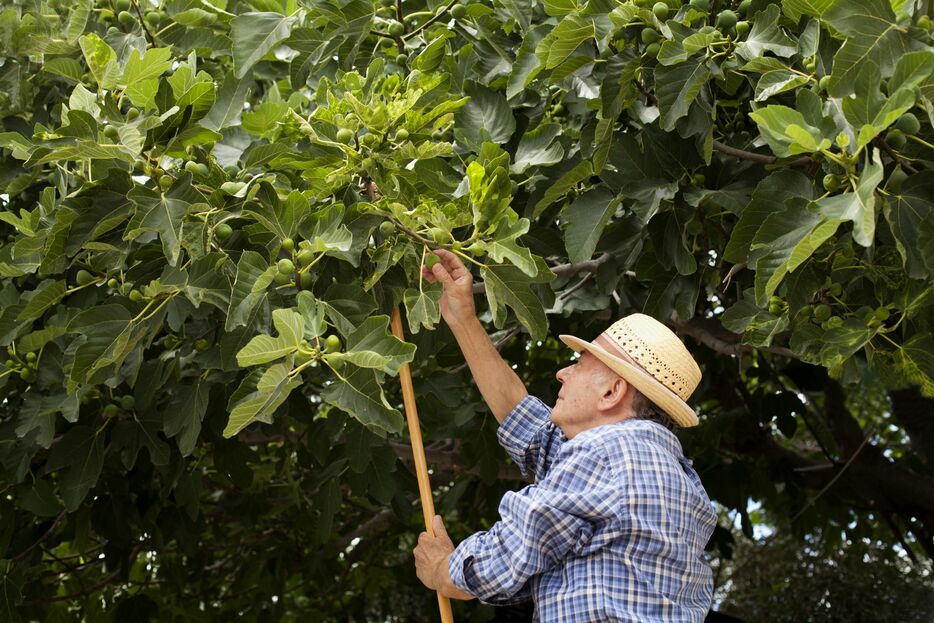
<point x="913" y="412"/>
<point x="711" y="334"/>
<point x="755" y="157"/>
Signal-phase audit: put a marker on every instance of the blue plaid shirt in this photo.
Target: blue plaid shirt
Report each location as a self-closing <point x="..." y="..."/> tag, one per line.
<point x="613" y="529"/>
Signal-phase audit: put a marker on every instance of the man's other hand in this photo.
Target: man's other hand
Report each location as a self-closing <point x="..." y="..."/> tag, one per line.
<point x="431" y="561"/>
<point x="457" y="304"/>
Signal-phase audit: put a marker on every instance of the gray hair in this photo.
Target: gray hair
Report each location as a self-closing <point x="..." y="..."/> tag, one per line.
<point x="645" y="409"/>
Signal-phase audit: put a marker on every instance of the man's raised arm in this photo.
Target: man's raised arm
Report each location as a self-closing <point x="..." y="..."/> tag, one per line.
<point x="501" y="387"/>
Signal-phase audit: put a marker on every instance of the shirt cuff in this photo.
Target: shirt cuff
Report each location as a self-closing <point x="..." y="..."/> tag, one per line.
<point x="522" y="424"/>
<point x="459" y="557"/>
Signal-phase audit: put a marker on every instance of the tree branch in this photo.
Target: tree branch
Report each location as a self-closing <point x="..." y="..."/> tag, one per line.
<point x="756" y="157"/>
<point x="880" y="142"/>
<point x="711" y="334"/>
<point x="563" y="270"/>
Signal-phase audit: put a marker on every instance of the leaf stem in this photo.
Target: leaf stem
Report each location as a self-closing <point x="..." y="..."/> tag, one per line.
<point x="431" y="21"/>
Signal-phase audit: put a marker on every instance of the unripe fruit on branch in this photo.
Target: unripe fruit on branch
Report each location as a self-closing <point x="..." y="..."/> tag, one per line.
<point x="387" y="228"/>
<point x="895" y="139"/>
<point x="111" y="410"/>
<point x="652" y="50"/>
<point x="431" y="259"/>
<point x="305" y="257"/>
<point x="726" y="19"/>
<point x="202" y="344"/>
<point x="332" y="344"/>
<point x="307" y="280"/>
<point x="127" y="402"/>
<point x="30" y="357"/>
<point x="223" y="231"/>
<point x="458" y="11"/>
<point x="282" y="279"/>
<point x="701" y="5"/>
<point x="232" y="188"/>
<point x="132" y="114"/>
<point x="741" y="28"/>
<point x="908" y="124"/>
<point x="831" y="182"/>
<point x="84" y="277"/>
<point x="402" y="134"/>
<point x="396" y="29"/>
<point x="822" y="312"/>
<point x="288" y="244"/>
<point x="165" y="181"/>
<point x="649" y="35"/>
<point x="136" y="296"/>
<point x="126" y="18"/>
<point x="660" y="9"/>
<point x="111" y="132"/>
<point x="345" y="136"/>
<point x="285" y="266"/>
<point x="113" y="283"/>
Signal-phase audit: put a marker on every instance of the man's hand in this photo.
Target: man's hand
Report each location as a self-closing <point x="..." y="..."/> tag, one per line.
<point x="431" y="561"/>
<point x="457" y="304"/>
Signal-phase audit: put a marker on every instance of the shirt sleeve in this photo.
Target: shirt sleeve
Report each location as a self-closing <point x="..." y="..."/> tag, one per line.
<point x="538" y="527"/>
<point x="529" y="437"/>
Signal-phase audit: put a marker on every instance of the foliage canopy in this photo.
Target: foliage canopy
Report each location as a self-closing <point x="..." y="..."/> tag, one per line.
<point x="210" y="208"/>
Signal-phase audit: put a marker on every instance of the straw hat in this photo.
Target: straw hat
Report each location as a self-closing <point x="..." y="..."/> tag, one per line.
<point x="653" y="359"/>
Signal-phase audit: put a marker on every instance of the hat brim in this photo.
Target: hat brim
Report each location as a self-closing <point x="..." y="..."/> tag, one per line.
<point x="664" y="398"/>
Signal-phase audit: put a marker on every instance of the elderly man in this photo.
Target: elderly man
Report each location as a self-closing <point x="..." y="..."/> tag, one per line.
<point x="614" y="527"/>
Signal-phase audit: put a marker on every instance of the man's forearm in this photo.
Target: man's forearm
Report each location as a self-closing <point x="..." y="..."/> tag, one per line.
<point x="445" y="585"/>
<point x="501" y="387"/>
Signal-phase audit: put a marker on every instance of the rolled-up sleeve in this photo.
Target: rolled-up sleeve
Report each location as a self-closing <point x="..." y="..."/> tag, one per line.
<point x="539" y="526"/>
<point x="529" y="437"/>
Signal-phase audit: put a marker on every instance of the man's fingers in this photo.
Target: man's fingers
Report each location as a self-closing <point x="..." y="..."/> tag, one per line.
<point x="440" y="531"/>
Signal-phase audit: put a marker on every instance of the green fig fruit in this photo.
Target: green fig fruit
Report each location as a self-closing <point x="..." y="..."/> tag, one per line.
<point x="726" y="19"/>
<point x="387" y="228"/>
<point x="305" y="257"/>
<point x="332" y="343"/>
<point x="649" y="35"/>
<point x="84" y="277"/>
<point x="345" y="136"/>
<point x="396" y="29"/>
<point x="126" y="18"/>
<point x="127" y="402"/>
<point x="458" y="11"/>
<point x="285" y="266"/>
<point x="908" y="123"/>
<point x="660" y="9"/>
<point x="402" y="134"/>
<point x="136" y="296"/>
<point x="288" y="244"/>
<point x="223" y="231"/>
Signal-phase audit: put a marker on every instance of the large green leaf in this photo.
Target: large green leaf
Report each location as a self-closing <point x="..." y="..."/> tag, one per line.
<point x="164" y="213"/>
<point x="422" y="307"/>
<point x="585" y="220"/>
<point x="676" y="88"/>
<point x="767" y="36"/>
<point x="255" y="34"/>
<point x="859" y="206"/>
<point x="869" y="111"/>
<point x="787" y="132"/>
<point x="784" y="241"/>
<point x="80" y="452"/>
<point x="768" y="198"/>
<point x="254" y="275"/>
<point x="228" y="105"/>
<point x="487" y="117"/>
<point x="360" y="394"/>
<point x="873" y="34"/>
<point x="272" y="389"/>
<point x="538" y="147"/>
<point x="507" y="286"/>
<point x="564" y="39"/>
<point x="907" y="211"/>
<point x="371" y="345"/>
<point x="264" y="348"/>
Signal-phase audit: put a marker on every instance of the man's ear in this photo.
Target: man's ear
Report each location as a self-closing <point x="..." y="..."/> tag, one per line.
<point x="614" y="393"/>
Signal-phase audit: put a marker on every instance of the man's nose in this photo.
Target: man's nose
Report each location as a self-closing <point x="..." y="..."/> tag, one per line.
<point x="561" y="374"/>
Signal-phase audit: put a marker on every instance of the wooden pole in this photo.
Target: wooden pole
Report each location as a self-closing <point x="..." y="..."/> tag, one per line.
<point x="418" y="453"/>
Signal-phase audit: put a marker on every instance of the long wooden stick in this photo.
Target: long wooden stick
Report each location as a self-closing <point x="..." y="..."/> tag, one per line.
<point x="418" y="453"/>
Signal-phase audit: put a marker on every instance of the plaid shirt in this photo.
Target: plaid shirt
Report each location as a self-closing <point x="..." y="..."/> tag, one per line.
<point x="613" y="529"/>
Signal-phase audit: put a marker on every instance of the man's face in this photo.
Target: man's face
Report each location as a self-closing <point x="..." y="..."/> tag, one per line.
<point x="582" y="385"/>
